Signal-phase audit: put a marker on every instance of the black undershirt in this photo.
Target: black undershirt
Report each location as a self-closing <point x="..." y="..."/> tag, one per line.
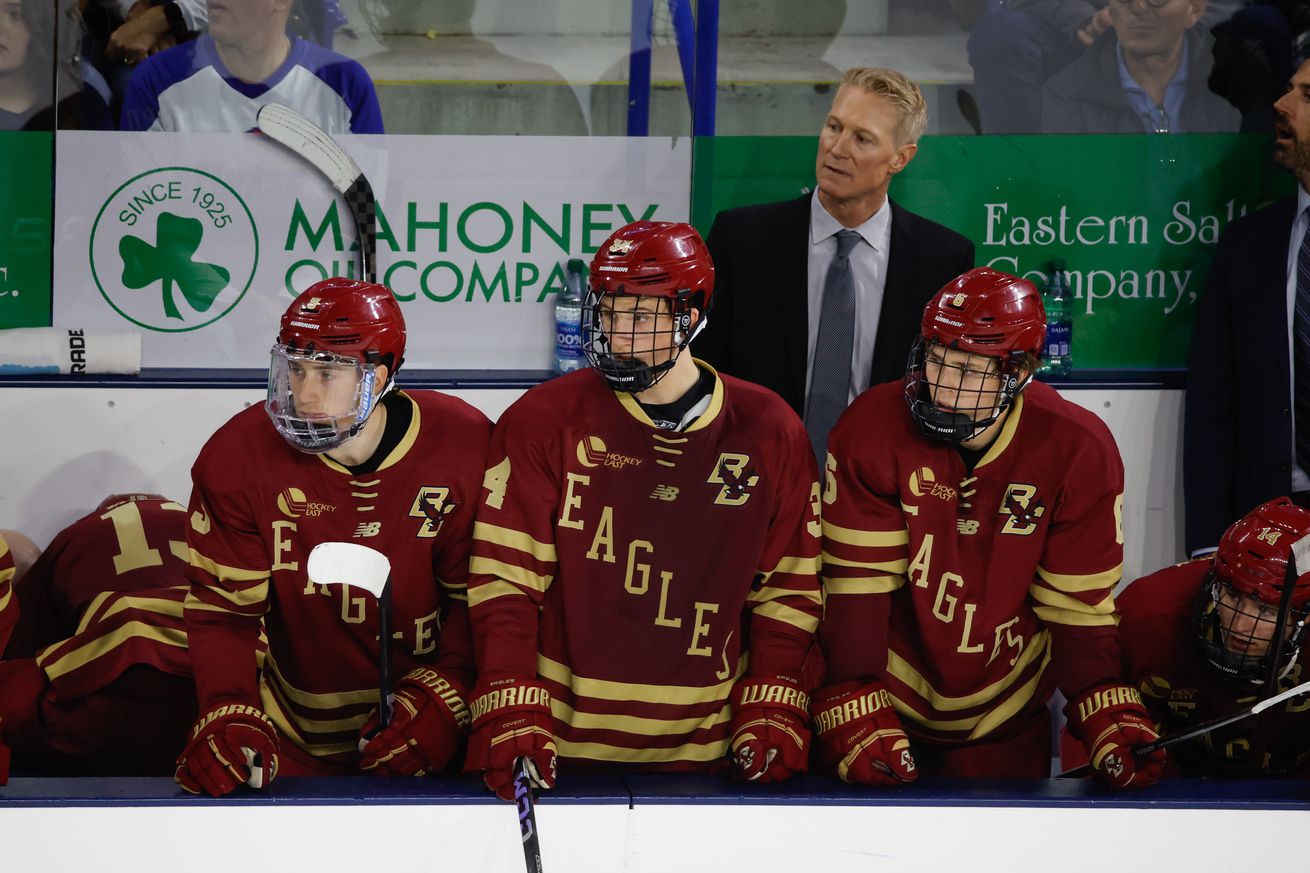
<point x="971" y="457"/>
<point x="400" y="412"/>
<point x="668" y="416"/>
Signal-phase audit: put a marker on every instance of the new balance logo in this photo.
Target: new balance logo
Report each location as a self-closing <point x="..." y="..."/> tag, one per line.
<point x="966" y="526"/>
<point x="368" y="529"/>
<point x="667" y="493"/>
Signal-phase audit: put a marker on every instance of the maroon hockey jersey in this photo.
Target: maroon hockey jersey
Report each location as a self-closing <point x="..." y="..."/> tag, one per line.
<point x="971" y="593"/>
<point x="259" y="506"/>
<point x="8" y="604"/>
<point x="134" y="544"/>
<point x="641" y="572"/>
<point x="1164" y="659"/>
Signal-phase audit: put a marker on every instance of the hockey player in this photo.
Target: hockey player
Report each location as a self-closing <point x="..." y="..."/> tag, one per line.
<point x="336" y="454"/>
<point x="971" y="543"/>
<point x="643" y="587"/>
<point x="95" y="678"/>
<point x="1197" y="642"/>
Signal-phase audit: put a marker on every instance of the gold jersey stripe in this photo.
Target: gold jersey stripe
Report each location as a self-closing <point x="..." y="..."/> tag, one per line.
<point x="796" y="566"/>
<point x="902" y="670"/>
<point x="620" y="754"/>
<point x="897" y="566"/>
<point x="984" y="723"/>
<point x="513" y="539"/>
<point x="1074" y="584"/>
<point x="55" y="667"/>
<point x="8" y="594"/>
<point x="605" y="689"/>
<point x="634" y="724"/>
<point x="1004" y="437"/>
<point x="862" y="584"/>
<point x="223" y="572"/>
<point x="1055" y="615"/>
<point x="88" y="614"/>
<point x="667" y="450"/>
<point x="788" y="615"/>
<point x="157" y="605"/>
<point x="766" y="593"/>
<point x="398" y="453"/>
<point x="868" y="538"/>
<point x="673" y="441"/>
<point x="273" y="709"/>
<point x="244" y="599"/>
<point x="314" y="700"/>
<point x="480" y="594"/>
<point x="509" y="573"/>
<point x="1066" y="603"/>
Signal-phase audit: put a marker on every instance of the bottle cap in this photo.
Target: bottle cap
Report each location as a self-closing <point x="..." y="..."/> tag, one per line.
<point x="1057" y="265"/>
<point x="577" y="265"/>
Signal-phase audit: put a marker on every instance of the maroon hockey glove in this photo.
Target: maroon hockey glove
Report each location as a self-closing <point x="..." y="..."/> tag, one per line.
<point x="1111" y="721"/>
<point x="511" y="720"/>
<point x="770" y="728"/>
<point x="230" y="745"/>
<point x="861" y="735"/>
<point x="428" y="718"/>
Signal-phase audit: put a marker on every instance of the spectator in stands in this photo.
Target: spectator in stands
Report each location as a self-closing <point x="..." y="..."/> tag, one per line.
<point x="27" y="46"/>
<point x="1147" y="73"/>
<point x="249" y="58"/>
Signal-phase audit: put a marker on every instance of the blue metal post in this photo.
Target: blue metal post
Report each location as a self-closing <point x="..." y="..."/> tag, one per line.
<point x="639" y="69"/>
<point x="684" y="29"/>
<point x="706" y="77"/>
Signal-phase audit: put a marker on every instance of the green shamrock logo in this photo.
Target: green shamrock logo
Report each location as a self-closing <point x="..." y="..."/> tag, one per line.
<point x="171" y="260"/>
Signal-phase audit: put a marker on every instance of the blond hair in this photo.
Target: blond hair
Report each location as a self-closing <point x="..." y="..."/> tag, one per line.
<point x="904" y="96"/>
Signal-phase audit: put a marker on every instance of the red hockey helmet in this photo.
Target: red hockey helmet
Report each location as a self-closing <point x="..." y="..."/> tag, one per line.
<point x="987" y="312"/>
<point x="985" y="328"/>
<point x="662" y="259"/>
<point x="354" y="319"/>
<point x="1239" y="607"/>
<point x="322" y="379"/>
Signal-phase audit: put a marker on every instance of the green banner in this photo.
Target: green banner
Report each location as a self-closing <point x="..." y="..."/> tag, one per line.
<point x="26" y="181"/>
<point x="1135" y="218"/>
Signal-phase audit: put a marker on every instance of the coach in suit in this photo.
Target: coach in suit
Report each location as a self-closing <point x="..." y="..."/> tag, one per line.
<point x="776" y="263"/>
<point x="1246" y="423"/>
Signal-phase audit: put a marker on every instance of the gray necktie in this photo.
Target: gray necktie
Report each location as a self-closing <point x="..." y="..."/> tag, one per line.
<point x="830" y="379"/>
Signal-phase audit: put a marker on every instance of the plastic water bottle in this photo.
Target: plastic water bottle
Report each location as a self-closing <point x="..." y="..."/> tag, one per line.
<point x="1057" y="357"/>
<point x="568" y="319"/>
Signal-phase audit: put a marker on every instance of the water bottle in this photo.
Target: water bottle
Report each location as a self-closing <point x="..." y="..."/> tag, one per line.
<point x="568" y="319"/>
<point x="1057" y="356"/>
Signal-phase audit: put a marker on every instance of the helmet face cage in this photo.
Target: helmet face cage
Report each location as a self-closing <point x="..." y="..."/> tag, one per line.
<point x="633" y="340"/>
<point x="317" y="400"/>
<point x="977" y="389"/>
<point x="1237" y="631"/>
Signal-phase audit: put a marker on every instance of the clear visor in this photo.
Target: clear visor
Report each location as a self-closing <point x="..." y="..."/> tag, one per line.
<point x="318" y="400"/>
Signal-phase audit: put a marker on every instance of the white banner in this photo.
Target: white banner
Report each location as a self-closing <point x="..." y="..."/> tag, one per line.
<point x="200" y="241"/>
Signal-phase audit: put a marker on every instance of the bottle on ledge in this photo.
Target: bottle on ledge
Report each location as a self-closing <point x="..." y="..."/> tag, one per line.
<point x="1057" y="357"/>
<point x="568" y="319"/>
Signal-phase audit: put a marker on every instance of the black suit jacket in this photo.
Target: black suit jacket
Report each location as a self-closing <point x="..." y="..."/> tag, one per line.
<point x="1237" y="422"/>
<point x="759" y="317"/>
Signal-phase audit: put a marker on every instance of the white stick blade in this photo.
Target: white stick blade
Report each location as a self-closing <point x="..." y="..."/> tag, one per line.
<point x="1301" y="555"/>
<point x="349" y="564"/>
<point x="308" y="140"/>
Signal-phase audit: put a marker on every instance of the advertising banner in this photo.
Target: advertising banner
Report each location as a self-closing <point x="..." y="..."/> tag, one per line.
<point x="200" y="241"/>
<point x="25" y="180"/>
<point x="1134" y="218"/>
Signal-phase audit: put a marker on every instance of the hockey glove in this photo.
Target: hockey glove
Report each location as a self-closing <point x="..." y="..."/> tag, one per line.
<point x="1111" y="720"/>
<point x="770" y="728"/>
<point x="861" y="735"/>
<point x="429" y="717"/>
<point x="230" y="745"/>
<point x="511" y="720"/>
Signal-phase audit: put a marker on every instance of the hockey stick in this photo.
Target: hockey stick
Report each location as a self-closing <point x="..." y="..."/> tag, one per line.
<point x="306" y="139"/>
<point x="1299" y="556"/>
<point x="362" y="567"/>
<point x="527" y="815"/>
<point x="1204" y="727"/>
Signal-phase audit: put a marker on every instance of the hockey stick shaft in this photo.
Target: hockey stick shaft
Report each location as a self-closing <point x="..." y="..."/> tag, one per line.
<point x="1204" y="727"/>
<point x="527" y="809"/>
<point x="384" y="656"/>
